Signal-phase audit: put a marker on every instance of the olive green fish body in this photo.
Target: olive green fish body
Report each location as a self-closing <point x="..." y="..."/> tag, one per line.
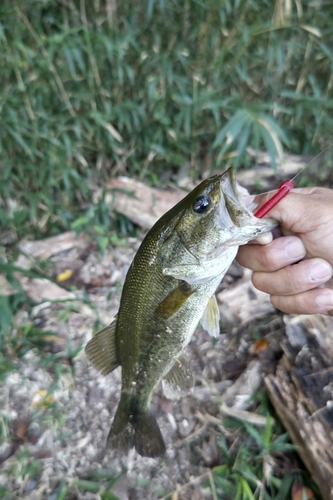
<point x="161" y="339"/>
<point x="169" y="287"/>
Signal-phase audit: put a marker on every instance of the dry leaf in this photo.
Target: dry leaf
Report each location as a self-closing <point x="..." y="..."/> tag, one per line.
<point x="56" y="339"/>
<point x="260" y="345"/>
<point x="65" y="275"/>
<point x="300" y="492"/>
<point x="113" y="132"/>
<point x="20" y="428"/>
<point x="42" y="399"/>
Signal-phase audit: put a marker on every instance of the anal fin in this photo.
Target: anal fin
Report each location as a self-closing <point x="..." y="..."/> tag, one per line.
<point x="210" y="320"/>
<point x="101" y="349"/>
<point x="179" y="380"/>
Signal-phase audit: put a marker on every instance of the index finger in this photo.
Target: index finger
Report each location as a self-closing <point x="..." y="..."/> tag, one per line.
<point x="293" y="210"/>
<point x="279" y="253"/>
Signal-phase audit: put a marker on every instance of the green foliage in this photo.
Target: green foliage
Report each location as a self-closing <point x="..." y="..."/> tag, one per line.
<point x="17" y="337"/>
<point x="91" y="89"/>
<point x="100" y="481"/>
<point x="96" y="222"/>
<point x="243" y="476"/>
<point x="247" y="124"/>
<point x="25" y="466"/>
<point x="249" y="470"/>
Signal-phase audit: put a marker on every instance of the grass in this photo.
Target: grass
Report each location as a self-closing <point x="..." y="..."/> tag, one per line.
<point x="255" y="463"/>
<point x="264" y="466"/>
<point x="91" y="90"/>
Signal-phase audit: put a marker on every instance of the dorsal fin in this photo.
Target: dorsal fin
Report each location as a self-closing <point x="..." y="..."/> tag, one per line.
<point x="101" y="349"/>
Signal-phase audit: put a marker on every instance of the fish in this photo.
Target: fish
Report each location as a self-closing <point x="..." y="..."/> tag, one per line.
<point x="169" y="287"/>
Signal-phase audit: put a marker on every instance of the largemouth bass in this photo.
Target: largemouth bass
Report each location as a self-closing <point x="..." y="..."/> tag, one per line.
<point x="168" y="289"/>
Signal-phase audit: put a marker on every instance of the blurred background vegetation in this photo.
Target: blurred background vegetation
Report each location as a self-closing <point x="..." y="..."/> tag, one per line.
<point x="95" y="89"/>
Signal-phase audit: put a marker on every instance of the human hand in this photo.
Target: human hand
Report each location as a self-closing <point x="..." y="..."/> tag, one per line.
<point x="300" y="259"/>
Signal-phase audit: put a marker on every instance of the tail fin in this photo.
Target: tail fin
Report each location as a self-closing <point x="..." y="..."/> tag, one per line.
<point x="121" y="435"/>
<point x="138" y="429"/>
<point x="148" y="438"/>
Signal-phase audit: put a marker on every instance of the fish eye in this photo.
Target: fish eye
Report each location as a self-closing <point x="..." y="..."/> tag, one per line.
<point x="201" y="204"/>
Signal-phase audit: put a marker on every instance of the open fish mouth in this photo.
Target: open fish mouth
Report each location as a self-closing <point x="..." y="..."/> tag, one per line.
<point x="237" y="222"/>
<point x="239" y="214"/>
<point x="231" y="214"/>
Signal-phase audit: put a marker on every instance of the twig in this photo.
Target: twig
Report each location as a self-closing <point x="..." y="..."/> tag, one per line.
<point x="245" y="416"/>
<point x="196" y="480"/>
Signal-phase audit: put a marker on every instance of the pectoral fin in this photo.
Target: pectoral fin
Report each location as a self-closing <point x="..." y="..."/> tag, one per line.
<point x="210" y="320"/>
<point x="173" y="302"/>
<point x="101" y="349"/>
<point x="179" y="381"/>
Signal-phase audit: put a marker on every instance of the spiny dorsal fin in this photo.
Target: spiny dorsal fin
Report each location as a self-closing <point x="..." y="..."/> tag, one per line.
<point x="174" y="301"/>
<point x="179" y="381"/>
<point x="101" y="349"/>
<point x="210" y="320"/>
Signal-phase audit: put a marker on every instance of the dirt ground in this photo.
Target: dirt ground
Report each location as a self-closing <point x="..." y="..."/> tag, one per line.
<point x="69" y="438"/>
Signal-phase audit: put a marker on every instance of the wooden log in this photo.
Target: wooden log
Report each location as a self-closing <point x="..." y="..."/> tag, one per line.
<point x="140" y="203"/>
<point x="144" y="205"/>
<point x="242" y="303"/>
<point x="302" y="394"/>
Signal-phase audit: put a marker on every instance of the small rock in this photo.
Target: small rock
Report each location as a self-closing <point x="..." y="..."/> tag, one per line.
<point x="30" y="486"/>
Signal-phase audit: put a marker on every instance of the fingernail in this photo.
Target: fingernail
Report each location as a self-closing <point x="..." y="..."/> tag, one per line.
<point x="320" y="271"/>
<point x="294" y="250"/>
<point x="325" y="300"/>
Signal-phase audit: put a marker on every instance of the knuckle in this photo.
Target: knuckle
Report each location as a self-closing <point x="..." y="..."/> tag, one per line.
<point x="268" y="258"/>
<point x="293" y="304"/>
<point x="302" y="304"/>
<point x="258" y="280"/>
<point x="293" y="279"/>
<point x="278" y="302"/>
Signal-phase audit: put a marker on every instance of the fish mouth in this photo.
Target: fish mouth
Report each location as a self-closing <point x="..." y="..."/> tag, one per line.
<point x="237" y="212"/>
<point x="239" y="224"/>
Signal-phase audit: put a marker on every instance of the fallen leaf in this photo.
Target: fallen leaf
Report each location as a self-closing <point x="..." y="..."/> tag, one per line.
<point x="300" y="492"/>
<point x="20" y="428"/>
<point x="260" y="345"/>
<point x="42" y="399"/>
<point x="55" y="339"/>
<point x="95" y="282"/>
<point x="65" y="275"/>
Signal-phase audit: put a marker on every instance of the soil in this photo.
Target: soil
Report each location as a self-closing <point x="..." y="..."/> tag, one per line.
<point x="69" y="438"/>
